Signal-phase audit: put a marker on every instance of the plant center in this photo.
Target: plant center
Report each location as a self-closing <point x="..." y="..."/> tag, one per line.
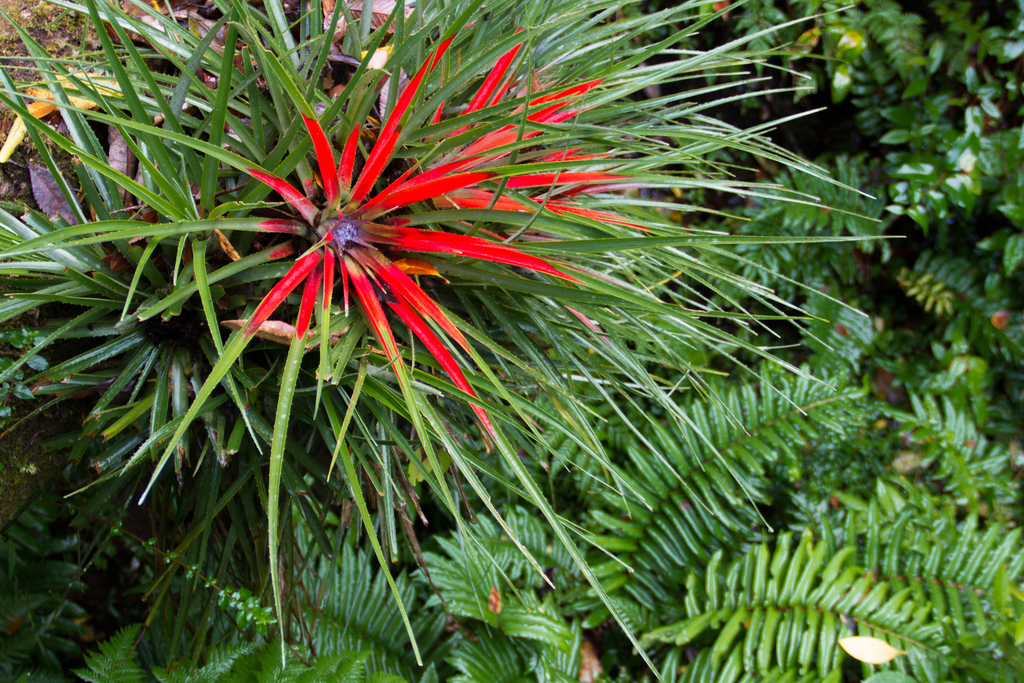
<point x="345" y="232"/>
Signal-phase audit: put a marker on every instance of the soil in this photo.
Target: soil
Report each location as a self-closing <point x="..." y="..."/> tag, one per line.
<point x="26" y="469"/>
<point x="60" y="32"/>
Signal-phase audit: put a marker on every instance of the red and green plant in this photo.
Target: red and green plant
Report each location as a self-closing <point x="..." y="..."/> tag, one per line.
<point x="513" y="214"/>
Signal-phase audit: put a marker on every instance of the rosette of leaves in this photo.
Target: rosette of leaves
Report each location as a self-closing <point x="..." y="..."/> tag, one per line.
<point x="497" y="211"/>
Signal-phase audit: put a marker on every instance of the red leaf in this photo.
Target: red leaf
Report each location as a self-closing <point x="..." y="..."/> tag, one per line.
<point x="440" y="52"/>
<point x="348" y="159"/>
<point x="563" y="207"/>
<point x="567" y="92"/>
<point x="282" y="250"/>
<point x="282" y="289"/>
<point x="509" y="134"/>
<point x="325" y="157"/>
<point x="549" y="179"/>
<point x="405" y="288"/>
<point x="293" y="196"/>
<point x="388" y="138"/>
<point x="441" y="354"/>
<point x="372" y="310"/>
<point x="481" y="199"/>
<point x="290" y="227"/>
<point x="308" y="299"/>
<point x="490" y="84"/>
<point x="385" y="202"/>
<point x="411" y="239"/>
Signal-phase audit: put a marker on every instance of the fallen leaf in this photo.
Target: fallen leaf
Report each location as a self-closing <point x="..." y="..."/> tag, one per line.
<point x="43" y="105"/>
<point x="415" y="266"/>
<point x="278" y="331"/>
<point x="272" y="330"/>
<point x="590" y="663"/>
<point x="869" y="650"/>
<point x="120" y="156"/>
<point x="1000" y="319"/>
<point x="381" y="10"/>
<point x="48" y="196"/>
<point x="225" y="245"/>
<point x="494" y="600"/>
<point x="117" y="262"/>
<point x="200" y="26"/>
<point x="379" y="58"/>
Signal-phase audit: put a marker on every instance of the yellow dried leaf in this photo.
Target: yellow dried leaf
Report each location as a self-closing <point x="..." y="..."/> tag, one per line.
<point x="40" y="108"/>
<point x="415" y="266"/>
<point x="869" y="650"/>
<point x="14" y="138"/>
<point x="379" y="58"/>
<point x="590" y="663"/>
<point x="225" y="245"/>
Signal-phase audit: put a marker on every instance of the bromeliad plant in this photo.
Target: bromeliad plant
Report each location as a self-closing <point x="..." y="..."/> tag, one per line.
<point x="352" y="237"/>
<point x="507" y="206"/>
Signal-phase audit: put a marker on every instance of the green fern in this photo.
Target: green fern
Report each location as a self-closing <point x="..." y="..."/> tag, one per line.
<point x="827" y="209"/>
<point x="695" y="497"/>
<point x="970" y="465"/>
<point x="898" y="34"/>
<point x="240" y="663"/>
<point x="37" y="621"/>
<point x="354" y="610"/>
<point x="983" y="305"/>
<point x="943" y="596"/>
<point x="115" y="660"/>
<point x="934" y="295"/>
<point x="508" y="631"/>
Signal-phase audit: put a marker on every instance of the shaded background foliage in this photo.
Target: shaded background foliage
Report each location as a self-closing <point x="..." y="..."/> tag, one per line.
<point x="882" y="499"/>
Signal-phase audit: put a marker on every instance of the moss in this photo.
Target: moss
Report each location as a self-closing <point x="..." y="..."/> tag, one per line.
<point x="62" y="34"/>
<point x="26" y="469"/>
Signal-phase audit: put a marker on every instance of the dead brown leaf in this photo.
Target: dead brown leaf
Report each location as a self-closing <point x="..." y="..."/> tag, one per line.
<point x="494" y="601"/>
<point x="48" y="196"/>
<point x="225" y="245"/>
<point x="277" y="331"/>
<point x="382" y="9"/>
<point x="117" y="262"/>
<point x="121" y="156"/>
<point x="272" y="330"/>
<point x="590" y="663"/>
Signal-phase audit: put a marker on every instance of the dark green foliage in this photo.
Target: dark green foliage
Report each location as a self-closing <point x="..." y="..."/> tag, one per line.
<point x="742" y="523"/>
<point x="346" y="606"/>
<point x="242" y="663"/>
<point x="38" y="573"/>
<point x="941" y="592"/>
<point x="13" y="367"/>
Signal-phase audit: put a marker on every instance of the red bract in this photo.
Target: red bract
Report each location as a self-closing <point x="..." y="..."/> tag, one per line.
<point x="358" y="237"/>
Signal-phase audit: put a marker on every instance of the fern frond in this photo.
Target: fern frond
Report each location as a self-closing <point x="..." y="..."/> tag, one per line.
<point x="782" y="606"/>
<point x="973" y="467"/>
<point x="355" y="611"/>
<point x="115" y="660"/>
<point x="972" y="295"/>
<point x="698" y="494"/>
